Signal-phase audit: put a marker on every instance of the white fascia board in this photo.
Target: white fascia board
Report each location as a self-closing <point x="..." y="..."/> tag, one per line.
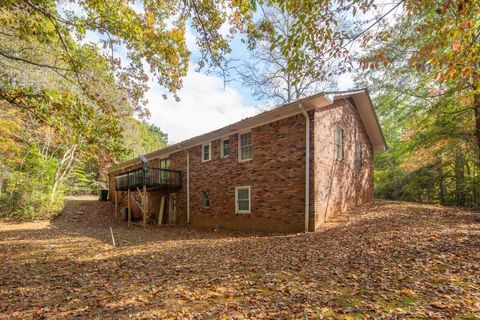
<point x="285" y="111"/>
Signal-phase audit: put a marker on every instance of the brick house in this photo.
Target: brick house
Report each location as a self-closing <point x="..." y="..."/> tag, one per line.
<point x="251" y="175"/>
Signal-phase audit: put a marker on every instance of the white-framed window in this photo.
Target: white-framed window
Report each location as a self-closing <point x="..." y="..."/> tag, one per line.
<point x="244" y="146"/>
<point x="225" y="147"/>
<point x="243" y="202"/>
<point x="358" y="155"/>
<point x="339" y="143"/>
<point x="206" y="152"/>
<point x="205" y="200"/>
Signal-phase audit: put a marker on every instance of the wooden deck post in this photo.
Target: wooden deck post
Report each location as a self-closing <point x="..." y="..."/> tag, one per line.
<point x="146" y="205"/>
<point x="144" y="209"/>
<point x="160" y="211"/>
<point x="116" y="206"/>
<point x="129" y="209"/>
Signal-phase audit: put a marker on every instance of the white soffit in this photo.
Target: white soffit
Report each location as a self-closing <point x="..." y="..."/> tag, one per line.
<point x="361" y="99"/>
<point x="285" y="111"/>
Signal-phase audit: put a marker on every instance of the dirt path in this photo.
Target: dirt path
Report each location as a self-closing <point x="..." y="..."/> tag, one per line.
<point x="391" y="261"/>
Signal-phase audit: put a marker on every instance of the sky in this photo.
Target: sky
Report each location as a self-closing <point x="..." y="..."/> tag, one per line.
<point x="206" y="103"/>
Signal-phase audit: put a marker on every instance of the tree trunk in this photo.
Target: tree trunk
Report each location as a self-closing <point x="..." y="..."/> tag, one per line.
<point x="104" y="161"/>
<point x="441" y="182"/>
<point x="476" y="110"/>
<point x="63" y="170"/>
<point x="460" y="177"/>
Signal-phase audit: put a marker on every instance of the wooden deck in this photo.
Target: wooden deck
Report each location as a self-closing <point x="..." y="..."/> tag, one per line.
<point x="153" y="178"/>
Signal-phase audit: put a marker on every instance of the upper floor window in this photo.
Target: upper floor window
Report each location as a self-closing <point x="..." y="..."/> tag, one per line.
<point x="245" y="146"/>
<point x="225" y="147"/>
<point x="206" y="152"/>
<point x="339" y="143"/>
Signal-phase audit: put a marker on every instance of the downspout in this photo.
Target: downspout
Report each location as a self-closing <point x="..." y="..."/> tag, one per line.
<point x="188" y="184"/>
<point x="307" y="166"/>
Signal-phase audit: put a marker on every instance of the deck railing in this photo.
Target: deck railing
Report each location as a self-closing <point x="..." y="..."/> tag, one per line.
<point x="152" y="178"/>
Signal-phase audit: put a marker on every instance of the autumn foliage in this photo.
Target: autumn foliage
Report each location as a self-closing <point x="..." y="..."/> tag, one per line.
<point x="389" y="261"/>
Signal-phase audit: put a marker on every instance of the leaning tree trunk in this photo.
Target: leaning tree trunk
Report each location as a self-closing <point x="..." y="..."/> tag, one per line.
<point x="64" y="168"/>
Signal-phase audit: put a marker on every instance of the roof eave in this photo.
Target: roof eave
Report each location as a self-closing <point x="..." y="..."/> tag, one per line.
<point x="368" y="115"/>
<point x="276" y="114"/>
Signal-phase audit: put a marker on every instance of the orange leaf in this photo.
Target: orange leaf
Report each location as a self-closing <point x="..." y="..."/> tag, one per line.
<point x="456" y="45"/>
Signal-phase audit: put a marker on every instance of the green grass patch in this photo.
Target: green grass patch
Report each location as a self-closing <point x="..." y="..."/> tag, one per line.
<point x="398" y="302"/>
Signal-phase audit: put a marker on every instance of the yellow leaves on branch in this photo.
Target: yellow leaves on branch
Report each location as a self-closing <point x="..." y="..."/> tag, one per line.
<point x="150" y="19"/>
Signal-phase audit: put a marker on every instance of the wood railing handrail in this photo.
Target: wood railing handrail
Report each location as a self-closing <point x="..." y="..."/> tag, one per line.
<point x="152" y="178"/>
<point x="148" y="168"/>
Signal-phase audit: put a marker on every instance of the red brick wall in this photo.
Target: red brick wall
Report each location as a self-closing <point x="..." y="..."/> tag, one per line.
<point x="276" y="175"/>
<point x="338" y="184"/>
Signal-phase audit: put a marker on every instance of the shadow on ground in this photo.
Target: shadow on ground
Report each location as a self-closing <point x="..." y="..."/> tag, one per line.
<point x="390" y="261"/>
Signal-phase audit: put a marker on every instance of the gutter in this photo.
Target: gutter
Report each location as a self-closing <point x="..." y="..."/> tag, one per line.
<point x="263" y="118"/>
<point x="307" y="166"/>
<point x="188" y="183"/>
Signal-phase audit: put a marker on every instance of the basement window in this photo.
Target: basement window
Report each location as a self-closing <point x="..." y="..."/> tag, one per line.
<point x="205" y="200"/>
<point x="206" y="152"/>
<point x="225" y="148"/>
<point x="245" y="146"/>
<point x="242" y="199"/>
<point x="339" y="143"/>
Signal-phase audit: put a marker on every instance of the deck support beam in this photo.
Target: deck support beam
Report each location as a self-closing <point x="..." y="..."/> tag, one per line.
<point x="116" y="206"/>
<point x="160" y="211"/>
<point x="129" y="208"/>
<point x="144" y="206"/>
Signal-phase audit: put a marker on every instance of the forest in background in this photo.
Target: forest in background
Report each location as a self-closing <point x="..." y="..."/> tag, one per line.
<point x="426" y="93"/>
<point x="70" y="107"/>
<point x="39" y="161"/>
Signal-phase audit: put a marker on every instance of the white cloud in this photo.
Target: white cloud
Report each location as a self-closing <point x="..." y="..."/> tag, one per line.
<point x="205" y="106"/>
<point x="345" y="81"/>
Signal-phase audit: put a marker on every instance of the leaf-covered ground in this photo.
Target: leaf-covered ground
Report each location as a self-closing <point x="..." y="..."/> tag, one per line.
<point x="389" y="261"/>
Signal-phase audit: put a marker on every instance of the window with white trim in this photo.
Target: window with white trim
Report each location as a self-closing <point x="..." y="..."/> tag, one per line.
<point x="245" y="146"/>
<point x="243" y="200"/>
<point x="205" y="200"/>
<point x="206" y="152"/>
<point x="225" y="147"/>
<point x="339" y="143"/>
